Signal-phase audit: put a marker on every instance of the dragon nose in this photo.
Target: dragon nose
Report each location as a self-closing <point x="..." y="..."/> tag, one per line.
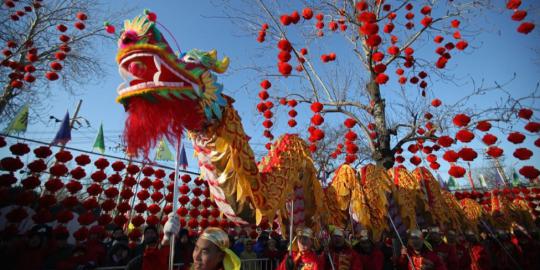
<point x="129" y="38"/>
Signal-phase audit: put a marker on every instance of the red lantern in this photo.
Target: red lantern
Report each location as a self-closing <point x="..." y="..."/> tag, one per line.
<point x="467" y="154"/>
<point x="523" y="153"/>
<point x="494" y="151"/>
<point x="101" y="163"/>
<point x="516" y="137"/>
<point x="525" y="114"/>
<point x="483" y="126"/>
<point x="464" y="135"/>
<point x="456" y="171"/>
<point x="461" y="120"/>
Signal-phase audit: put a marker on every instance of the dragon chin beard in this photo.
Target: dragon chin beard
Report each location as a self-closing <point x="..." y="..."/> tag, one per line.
<point x="149" y="120"/>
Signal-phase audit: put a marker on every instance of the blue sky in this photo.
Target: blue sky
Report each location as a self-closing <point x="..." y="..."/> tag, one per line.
<point x="494" y="54"/>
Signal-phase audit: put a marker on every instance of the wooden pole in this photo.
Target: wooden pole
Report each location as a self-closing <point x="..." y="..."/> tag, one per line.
<point x="175" y="200"/>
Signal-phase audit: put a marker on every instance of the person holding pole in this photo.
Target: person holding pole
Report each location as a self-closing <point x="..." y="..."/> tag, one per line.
<point x="342" y="255"/>
<point x="303" y="256"/>
<point x="371" y="256"/>
<point x="420" y="257"/>
<point x="155" y="256"/>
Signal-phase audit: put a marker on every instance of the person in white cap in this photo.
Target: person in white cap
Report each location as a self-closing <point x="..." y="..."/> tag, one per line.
<point x="416" y="256"/>
<point x="342" y="255"/>
<point x="371" y="256"/>
<point x="303" y="253"/>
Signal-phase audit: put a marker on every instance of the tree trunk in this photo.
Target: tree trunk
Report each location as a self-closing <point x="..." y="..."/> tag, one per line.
<point x="382" y="154"/>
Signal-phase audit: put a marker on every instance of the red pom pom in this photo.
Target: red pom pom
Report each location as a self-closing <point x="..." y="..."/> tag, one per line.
<point x="381" y="78"/>
<point x="151" y="16"/>
<point x="434" y="165"/>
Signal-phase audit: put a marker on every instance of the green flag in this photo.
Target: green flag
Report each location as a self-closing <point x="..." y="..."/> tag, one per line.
<point x="99" y="144"/>
<point x="163" y="152"/>
<point x="19" y="123"/>
<point x="515" y="178"/>
<point x="451" y="184"/>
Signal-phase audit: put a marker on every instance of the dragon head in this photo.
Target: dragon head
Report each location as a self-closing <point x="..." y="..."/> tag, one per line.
<point x="164" y="92"/>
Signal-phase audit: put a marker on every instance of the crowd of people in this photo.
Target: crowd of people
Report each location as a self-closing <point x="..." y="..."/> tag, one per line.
<point x="213" y="249"/>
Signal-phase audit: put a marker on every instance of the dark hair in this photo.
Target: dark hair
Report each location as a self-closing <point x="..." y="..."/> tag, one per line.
<point x="154" y="228"/>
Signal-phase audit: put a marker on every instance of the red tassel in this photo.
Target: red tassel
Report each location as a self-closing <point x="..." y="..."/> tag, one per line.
<point x="148" y="121"/>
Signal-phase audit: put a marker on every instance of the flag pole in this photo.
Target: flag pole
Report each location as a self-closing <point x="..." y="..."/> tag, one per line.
<point x="175" y="199"/>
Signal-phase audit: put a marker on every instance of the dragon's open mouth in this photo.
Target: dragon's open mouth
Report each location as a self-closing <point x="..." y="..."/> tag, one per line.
<point x="146" y="72"/>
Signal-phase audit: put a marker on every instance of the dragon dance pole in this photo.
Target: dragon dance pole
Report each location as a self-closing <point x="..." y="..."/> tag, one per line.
<point x="291" y="227"/>
<point x="175" y="200"/>
<point x="401" y="240"/>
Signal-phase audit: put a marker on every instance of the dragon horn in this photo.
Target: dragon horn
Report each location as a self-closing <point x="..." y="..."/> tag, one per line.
<point x="221" y="65"/>
<point x="213" y="54"/>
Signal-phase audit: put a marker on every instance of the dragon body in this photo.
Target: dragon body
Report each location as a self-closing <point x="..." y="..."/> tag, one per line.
<point x="167" y="93"/>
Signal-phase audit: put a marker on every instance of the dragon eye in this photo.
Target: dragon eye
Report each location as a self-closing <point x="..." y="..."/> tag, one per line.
<point x="190" y="59"/>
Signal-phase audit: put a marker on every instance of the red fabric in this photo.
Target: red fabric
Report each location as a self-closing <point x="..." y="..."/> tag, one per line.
<point x="373" y="261"/>
<point x="31" y="259"/>
<point x="304" y="261"/>
<point x="448" y="254"/>
<point x="345" y="259"/>
<point x="478" y="258"/>
<point x="155" y="258"/>
<point x="423" y="260"/>
<point x="531" y="255"/>
<point x="96" y="252"/>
